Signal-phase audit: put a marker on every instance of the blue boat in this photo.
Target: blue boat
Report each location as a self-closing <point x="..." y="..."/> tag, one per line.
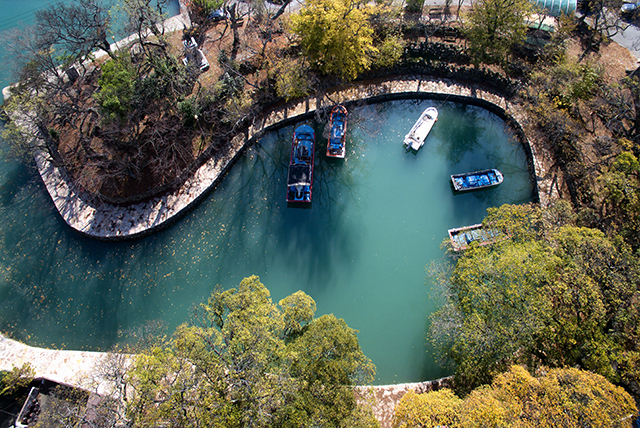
<point x="337" y="136"/>
<point x="300" y="179"/>
<point x="476" y="179"/>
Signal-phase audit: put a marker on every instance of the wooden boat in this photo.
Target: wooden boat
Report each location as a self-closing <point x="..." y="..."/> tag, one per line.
<point x="476" y="179"/>
<point x="337" y="136"/>
<point x="300" y="179"/>
<point x="462" y="237"/>
<point x="415" y="138"/>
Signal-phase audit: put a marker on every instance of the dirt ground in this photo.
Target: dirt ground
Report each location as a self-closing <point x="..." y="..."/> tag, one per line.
<point x="616" y="59"/>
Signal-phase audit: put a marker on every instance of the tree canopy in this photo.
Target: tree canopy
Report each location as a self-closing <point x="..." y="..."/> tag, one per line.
<point x="553" y="295"/>
<point x="113" y="122"/>
<point x="558" y="397"/>
<point x="495" y="27"/>
<point x="247" y="362"/>
<point x="336" y="35"/>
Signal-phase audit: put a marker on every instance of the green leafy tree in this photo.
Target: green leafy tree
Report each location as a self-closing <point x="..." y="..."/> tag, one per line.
<point x="495" y="27"/>
<point x="554" y="295"/>
<point x="389" y="51"/>
<point x="437" y="408"/>
<point x="117" y="88"/>
<point x="291" y="78"/>
<point x="326" y="360"/>
<point x="336" y="36"/>
<point x="559" y="397"/>
<point x="16" y="378"/>
<point x="247" y="362"/>
<point x="621" y="196"/>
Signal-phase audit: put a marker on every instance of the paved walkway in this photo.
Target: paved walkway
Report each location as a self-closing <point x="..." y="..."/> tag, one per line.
<point x="86" y="370"/>
<point x="629" y="37"/>
<point x="105" y="221"/>
<point x="78" y="368"/>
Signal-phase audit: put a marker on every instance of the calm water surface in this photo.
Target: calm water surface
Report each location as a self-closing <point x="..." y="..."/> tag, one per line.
<point x="19" y="14"/>
<point x="360" y="251"/>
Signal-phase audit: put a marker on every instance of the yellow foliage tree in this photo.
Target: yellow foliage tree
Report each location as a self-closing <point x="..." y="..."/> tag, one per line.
<point x="336" y="36"/>
<point x="560" y="397"/>
<point x="428" y="410"/>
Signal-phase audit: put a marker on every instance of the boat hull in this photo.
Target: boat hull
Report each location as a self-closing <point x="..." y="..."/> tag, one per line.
<point x="476" y="180"/>
<point x="300" y="176"/>
<point x="462" y="237"/>
<point x="421" y="129"/>
<point x="336" y="146"/>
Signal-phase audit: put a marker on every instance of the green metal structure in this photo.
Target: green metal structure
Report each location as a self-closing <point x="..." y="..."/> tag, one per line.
<point x="556" y="7"/>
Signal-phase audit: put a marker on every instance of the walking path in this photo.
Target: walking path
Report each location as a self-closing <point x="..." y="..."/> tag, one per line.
<point x="77" y="368"/>
<point x="87" y="370"/>
<point x="110" y="222"/>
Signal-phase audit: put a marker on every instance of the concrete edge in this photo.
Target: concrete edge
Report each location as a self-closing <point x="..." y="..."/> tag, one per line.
<point x="83" y="369"/>
<point x="112" y="222"/>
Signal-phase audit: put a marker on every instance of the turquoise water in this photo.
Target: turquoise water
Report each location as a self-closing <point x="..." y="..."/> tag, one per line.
<point x="360" y="250"/>
<point x="19" y="14"/>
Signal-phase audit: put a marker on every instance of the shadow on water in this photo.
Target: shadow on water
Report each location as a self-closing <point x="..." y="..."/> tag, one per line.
<point x="352" y="250"/>
<point x="461" y="136"/>
<point x="258" y="227"/>
<point x="316" y="238"/>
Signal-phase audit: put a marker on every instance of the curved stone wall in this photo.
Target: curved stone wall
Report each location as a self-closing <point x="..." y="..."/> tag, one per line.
<point x="110" y="222"/>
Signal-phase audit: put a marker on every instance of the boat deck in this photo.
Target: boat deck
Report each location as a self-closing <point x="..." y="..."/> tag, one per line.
<point x="299" y="175"/>
<point x="461" y="238"/>
<point x="476" y="180"/>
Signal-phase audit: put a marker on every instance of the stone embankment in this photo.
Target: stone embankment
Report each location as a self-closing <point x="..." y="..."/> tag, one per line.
<point x="384" y="398"/>
<point x="87" y="370"/>
<point x="77" y="368"/>
<point x="104" y="221"/>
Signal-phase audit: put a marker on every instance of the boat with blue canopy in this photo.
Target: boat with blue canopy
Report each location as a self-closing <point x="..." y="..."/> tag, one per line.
<point x="338" y="132"/>
<point x="300" y="178"/>
<point x="476" y="179"/>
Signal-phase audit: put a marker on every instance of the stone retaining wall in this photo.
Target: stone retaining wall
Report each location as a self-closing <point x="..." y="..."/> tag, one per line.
<point x="384" y="398"/>
<point x="111" y="222"/>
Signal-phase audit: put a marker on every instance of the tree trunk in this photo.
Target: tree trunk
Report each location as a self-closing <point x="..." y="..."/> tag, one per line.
<point x="234" y="27"/>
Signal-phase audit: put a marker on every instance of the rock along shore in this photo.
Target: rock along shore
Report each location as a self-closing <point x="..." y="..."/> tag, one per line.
<point x="112" y="222"/>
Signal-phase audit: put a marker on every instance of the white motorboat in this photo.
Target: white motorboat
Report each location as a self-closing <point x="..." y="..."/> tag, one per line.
<point x="420" y="130"/>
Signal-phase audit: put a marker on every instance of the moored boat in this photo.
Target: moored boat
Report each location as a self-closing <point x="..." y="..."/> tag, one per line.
<point x="338" y="132"/>
<point x="300" y="178"/>
<point x="420" y="130"/>
<point x="476" y="179"/>
<point x="462" y="237"/>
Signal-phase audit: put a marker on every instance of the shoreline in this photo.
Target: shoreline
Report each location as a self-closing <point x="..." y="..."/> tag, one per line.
<point x="110" y="222"/>
<point x="105" y="221"/>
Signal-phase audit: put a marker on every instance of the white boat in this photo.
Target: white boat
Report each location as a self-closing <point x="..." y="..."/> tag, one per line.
<point x="415" y="138"/>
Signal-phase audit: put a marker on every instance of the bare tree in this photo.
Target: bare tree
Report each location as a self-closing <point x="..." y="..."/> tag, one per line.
<point x="602" y="19"/>
<point x="78" y="28"/>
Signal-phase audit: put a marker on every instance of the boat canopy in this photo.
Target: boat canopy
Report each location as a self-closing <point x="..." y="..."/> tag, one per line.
<point x="556" y="7"/>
